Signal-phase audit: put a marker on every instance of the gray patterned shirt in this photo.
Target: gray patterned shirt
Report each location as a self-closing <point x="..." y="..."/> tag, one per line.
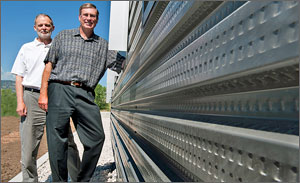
<point x="76" y="59"/>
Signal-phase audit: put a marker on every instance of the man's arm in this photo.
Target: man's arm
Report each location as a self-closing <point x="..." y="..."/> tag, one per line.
<point x="117" y="64"/>
<point x="21" y="107"/>
<point x="43" y="100"/>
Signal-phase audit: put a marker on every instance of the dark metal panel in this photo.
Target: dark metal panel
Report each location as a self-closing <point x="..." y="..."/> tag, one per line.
<point x="125" y="171"/>
<point x="147" y="168"/>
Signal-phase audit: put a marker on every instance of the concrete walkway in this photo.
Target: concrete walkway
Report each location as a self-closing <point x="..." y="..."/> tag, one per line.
<point x="105" y="170"/>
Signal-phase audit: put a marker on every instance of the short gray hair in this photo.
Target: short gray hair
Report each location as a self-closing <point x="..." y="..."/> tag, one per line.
<point x="44" y="15"/>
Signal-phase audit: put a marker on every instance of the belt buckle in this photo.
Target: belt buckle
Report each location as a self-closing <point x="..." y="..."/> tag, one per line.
<point x="72" y="83"/>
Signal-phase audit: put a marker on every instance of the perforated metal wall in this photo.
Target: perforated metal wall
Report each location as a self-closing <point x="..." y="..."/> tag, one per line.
<point x="213" y="153"/>
<point x="214" y="87"/>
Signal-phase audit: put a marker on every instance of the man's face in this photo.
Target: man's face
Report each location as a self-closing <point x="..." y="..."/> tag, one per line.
<point x="43" y="27"/>
<point x="88" y="18"/>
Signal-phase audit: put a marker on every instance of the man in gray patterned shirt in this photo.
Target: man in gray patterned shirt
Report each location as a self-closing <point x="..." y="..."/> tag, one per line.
<point x="75" y="63"/>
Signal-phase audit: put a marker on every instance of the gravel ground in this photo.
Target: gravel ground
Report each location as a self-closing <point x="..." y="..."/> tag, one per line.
<point x="105" y="170"/>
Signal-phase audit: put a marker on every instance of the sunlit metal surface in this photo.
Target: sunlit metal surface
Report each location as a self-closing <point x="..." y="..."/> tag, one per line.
<point x="213" y="88"/>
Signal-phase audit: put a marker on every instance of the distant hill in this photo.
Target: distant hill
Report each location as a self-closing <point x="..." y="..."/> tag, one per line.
<point x="8" y="84"/>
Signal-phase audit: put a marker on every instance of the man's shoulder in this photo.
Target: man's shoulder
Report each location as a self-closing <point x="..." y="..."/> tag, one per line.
<point x="64" y="34"/>
<point x="68" y="31"/>
<point x="100" y="39"/>
<point x="28" y="44"/>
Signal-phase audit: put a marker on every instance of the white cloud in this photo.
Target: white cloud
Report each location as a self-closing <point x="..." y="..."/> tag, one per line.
<point x="7" y="76"/>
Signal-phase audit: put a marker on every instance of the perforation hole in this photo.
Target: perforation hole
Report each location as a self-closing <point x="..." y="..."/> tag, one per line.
<point x="250" y="155"/>
<point x="294" y="169"/>
<point x="276" y="32"/>
<point x="292" y="25"/>
<point x="277" y="164"/>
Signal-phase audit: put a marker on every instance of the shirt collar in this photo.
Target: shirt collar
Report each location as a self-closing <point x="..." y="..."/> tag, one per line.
<point x="92" y="38"/>
<point x="38" y="43"/>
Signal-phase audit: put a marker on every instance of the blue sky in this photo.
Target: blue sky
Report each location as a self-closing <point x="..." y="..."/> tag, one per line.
<point x="17" y="20"/>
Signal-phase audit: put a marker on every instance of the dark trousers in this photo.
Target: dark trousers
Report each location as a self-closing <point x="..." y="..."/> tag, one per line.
<point x="66" y="101"/>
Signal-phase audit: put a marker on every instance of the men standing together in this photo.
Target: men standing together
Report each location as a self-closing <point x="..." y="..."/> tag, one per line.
<point x="55" y="81"/>
<point x="28" y="68"/>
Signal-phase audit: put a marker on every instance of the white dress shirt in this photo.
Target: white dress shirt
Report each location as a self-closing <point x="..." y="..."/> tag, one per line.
<point x="30" y="63"/>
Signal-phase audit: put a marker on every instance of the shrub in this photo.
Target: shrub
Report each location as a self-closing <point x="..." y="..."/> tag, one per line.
<point x="100" y="97"/>
<point x="8" y="103"/>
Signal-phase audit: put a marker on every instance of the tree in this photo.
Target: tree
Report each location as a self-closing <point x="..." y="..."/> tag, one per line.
<point x="100" y="97"/>
<point x="8" y="103"/>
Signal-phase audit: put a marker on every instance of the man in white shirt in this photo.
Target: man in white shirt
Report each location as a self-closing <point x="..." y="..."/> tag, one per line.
<point x="28" y="68"/>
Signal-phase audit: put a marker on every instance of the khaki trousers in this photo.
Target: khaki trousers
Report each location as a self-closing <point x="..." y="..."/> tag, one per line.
<point x="31" y="132"/>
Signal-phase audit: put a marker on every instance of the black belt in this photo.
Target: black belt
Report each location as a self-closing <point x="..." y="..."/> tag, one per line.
<point x="32" y="89"/>
<point x="72" y="83"/>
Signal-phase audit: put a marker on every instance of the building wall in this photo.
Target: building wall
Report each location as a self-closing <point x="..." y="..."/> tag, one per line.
<point x="210" y="92"/>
